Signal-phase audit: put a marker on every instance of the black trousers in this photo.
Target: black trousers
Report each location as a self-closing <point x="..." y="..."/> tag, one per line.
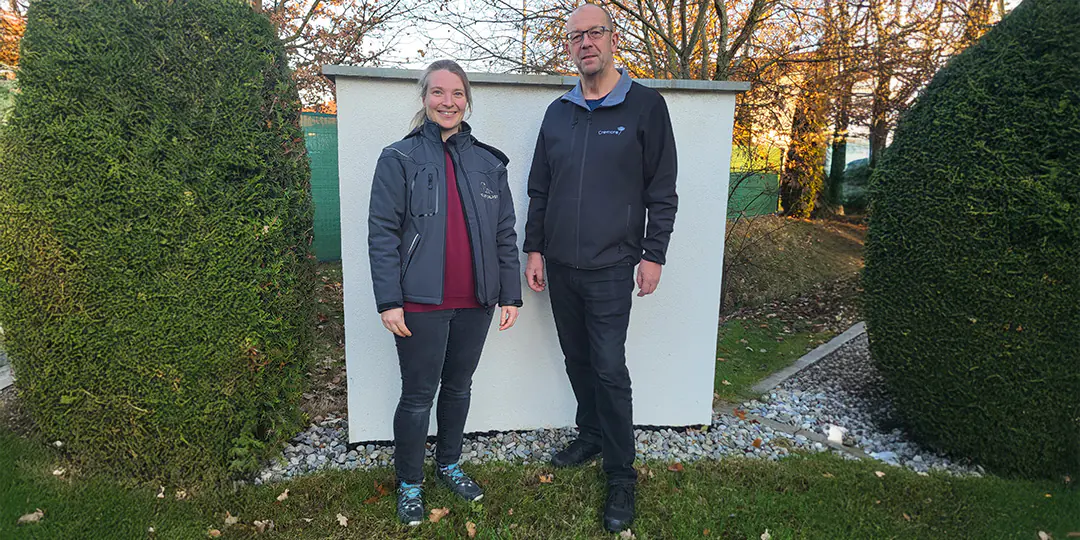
<point x="592" y="312"/>
<point x="444" y="349"/>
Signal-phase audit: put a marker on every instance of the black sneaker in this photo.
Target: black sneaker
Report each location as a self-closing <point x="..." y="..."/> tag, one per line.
<point x="459" y="482"/>
<point x="410" y="504"/>
<point x="577" y="453"/>
<point x="619" y="508"/>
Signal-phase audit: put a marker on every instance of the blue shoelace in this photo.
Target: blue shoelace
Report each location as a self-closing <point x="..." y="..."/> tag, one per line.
<point x="411" y="492"/>
<point x="455" y="473"/>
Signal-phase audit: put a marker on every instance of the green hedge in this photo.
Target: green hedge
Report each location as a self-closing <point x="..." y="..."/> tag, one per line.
<point x="156" y="287"/>
<point x="972" y="281"/>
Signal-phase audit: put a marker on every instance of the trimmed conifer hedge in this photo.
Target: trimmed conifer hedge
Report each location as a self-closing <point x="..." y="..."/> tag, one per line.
<point x="972" y="281"/>
<point x="156" y="287"/>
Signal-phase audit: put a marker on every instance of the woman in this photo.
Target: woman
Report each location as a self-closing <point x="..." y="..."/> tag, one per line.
<point x="443" y="254"/>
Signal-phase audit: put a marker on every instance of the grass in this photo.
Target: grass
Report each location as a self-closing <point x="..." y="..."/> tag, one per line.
<point x="818" y="496"/>
<point x="772" y="257"/>
<point x="748" y="350"/>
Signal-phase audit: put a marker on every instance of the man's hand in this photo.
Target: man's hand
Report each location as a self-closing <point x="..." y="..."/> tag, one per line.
<point x="394" y="321"/>
<point x="534" y="272"/>
<point x="648" y="277"/>
<point x="508" y="317"/>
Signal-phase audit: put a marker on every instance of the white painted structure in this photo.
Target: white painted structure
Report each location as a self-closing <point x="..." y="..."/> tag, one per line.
<point x="521" y="382"/>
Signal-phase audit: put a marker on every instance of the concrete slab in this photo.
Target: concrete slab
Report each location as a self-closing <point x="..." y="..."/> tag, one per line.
<point x="809" y="359"/>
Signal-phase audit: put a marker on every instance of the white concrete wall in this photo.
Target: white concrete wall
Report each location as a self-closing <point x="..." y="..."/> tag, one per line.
<point x="521" y="382"/>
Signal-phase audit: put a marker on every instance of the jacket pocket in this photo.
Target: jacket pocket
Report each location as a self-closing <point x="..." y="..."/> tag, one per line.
<point x="425" y="192"/>
<point x="413" y="244"/>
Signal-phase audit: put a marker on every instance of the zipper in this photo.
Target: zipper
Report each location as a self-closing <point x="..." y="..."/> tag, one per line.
<point x="626" y="232"/>
<point x="581" y="185"/>
<point x="459" y="173"/>
<point x="409" y="254"/>
<point x="433" y="195"/>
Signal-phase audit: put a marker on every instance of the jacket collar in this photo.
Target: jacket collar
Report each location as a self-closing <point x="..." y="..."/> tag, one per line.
<point x="433" y="132"/>
<point x="615" y="97"/>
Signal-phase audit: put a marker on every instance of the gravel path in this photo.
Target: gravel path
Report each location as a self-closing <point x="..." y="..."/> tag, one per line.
<point x="841" y="395"/>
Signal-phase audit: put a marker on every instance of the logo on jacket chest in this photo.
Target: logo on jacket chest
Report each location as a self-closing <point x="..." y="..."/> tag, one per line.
<point x="617" y="131"/>
<point x="486" y="192"/>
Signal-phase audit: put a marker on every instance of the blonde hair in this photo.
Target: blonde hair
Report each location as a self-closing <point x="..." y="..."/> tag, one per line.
<point x="439" y="65"/>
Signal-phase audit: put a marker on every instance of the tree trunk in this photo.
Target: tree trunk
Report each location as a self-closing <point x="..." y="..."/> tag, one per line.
<point x="879" y="122"/>
<point x="835" y="191"/>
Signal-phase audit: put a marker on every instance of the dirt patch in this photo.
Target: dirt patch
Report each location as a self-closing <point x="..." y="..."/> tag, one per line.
<point x="326" y="392"/>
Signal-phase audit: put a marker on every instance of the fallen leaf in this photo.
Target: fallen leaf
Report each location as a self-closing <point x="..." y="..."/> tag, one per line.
<point x="765" y="535"/>
<point x="213" y="533"/>
<point x="1045" y="536"/>
<point x="828" y="475"/>
<point x="879" y="474"/>
<point x="547" y="478"/>
<point x="284" y="495"/>
<point x="725" y="382"/>
<point x="32" y="517"/>
<point x="1073" y="535"/>
<point x="757" y="443"/>
<point x="627" y="534"/>
<point x="721" y="359"/>
<point x="380" y="492"/>
<point x="150" y="530"/>
<point x="59" y="472"/>
<point x="741" y="414"/>
<point x="342" y="520"/>
<point x="510" y="512"/>
<point x="161" y="493"/>
<point x="263" y="526"/>
<point x="907" y="517"/>
<point x="705" y="532"/>
<point x="1048" y="495"/>
<point x="675" y="467"/>
<point x="230" y="519"/>
<point x="470" y="527"/>
<point x="877" y="501"/>
<point x="437" y="514"/>
<point x="181" y="494"/>
<point x="307" y="520"/>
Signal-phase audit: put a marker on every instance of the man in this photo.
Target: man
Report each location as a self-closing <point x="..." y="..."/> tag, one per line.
<point x="604" y="157"/>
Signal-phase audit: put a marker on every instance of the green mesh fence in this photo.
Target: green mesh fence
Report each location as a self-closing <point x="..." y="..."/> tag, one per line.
<point x="320" y="134"/>
<point x="753" y="194"/>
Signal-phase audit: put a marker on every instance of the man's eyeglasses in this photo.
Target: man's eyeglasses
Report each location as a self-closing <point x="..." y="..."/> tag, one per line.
<point x="594" y="34"/>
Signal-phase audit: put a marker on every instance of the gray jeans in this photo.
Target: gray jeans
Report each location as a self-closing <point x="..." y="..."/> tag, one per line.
<point x="444" y="349"/>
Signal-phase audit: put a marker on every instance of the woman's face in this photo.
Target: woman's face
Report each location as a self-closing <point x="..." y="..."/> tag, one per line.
<point x="445" y="101"/>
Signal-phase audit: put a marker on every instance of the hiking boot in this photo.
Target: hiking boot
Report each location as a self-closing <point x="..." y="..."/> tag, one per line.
<point x="410" y="504"/>
<point x="619" y="508"/>
<point x="577" y="453"/>
<point x="458" y="482"/>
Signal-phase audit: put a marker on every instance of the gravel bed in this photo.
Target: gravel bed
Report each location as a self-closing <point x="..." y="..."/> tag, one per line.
<point x="840" y="397"/>
<point x="843" y="395"/>
<point x="324" y="446"/>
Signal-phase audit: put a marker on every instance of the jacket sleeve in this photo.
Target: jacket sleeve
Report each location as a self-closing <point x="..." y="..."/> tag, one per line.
<point x="509" y="264"/>
<point x="386" y="216"/>
<point x="660" y="198"/>
<point x="539" y="180"/>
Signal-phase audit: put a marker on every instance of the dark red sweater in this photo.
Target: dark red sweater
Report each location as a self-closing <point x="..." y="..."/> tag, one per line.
<point x="459" y="281"/>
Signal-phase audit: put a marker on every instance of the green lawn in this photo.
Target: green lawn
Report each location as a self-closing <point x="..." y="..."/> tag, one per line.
<point x="801" y="497"/>
<point x="748" y="350"/>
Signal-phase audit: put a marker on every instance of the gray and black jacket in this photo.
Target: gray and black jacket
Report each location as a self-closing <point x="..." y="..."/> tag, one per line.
<point x="595" y="174"/>
<point x="407" y="219"/>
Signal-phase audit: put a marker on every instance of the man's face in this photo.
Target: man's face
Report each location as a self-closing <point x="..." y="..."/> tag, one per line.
<point x="592" y="54"/>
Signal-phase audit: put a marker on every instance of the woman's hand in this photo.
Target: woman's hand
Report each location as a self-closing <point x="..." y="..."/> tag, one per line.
<point x="394" y="321"/>
<point x="507" y="317"/>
